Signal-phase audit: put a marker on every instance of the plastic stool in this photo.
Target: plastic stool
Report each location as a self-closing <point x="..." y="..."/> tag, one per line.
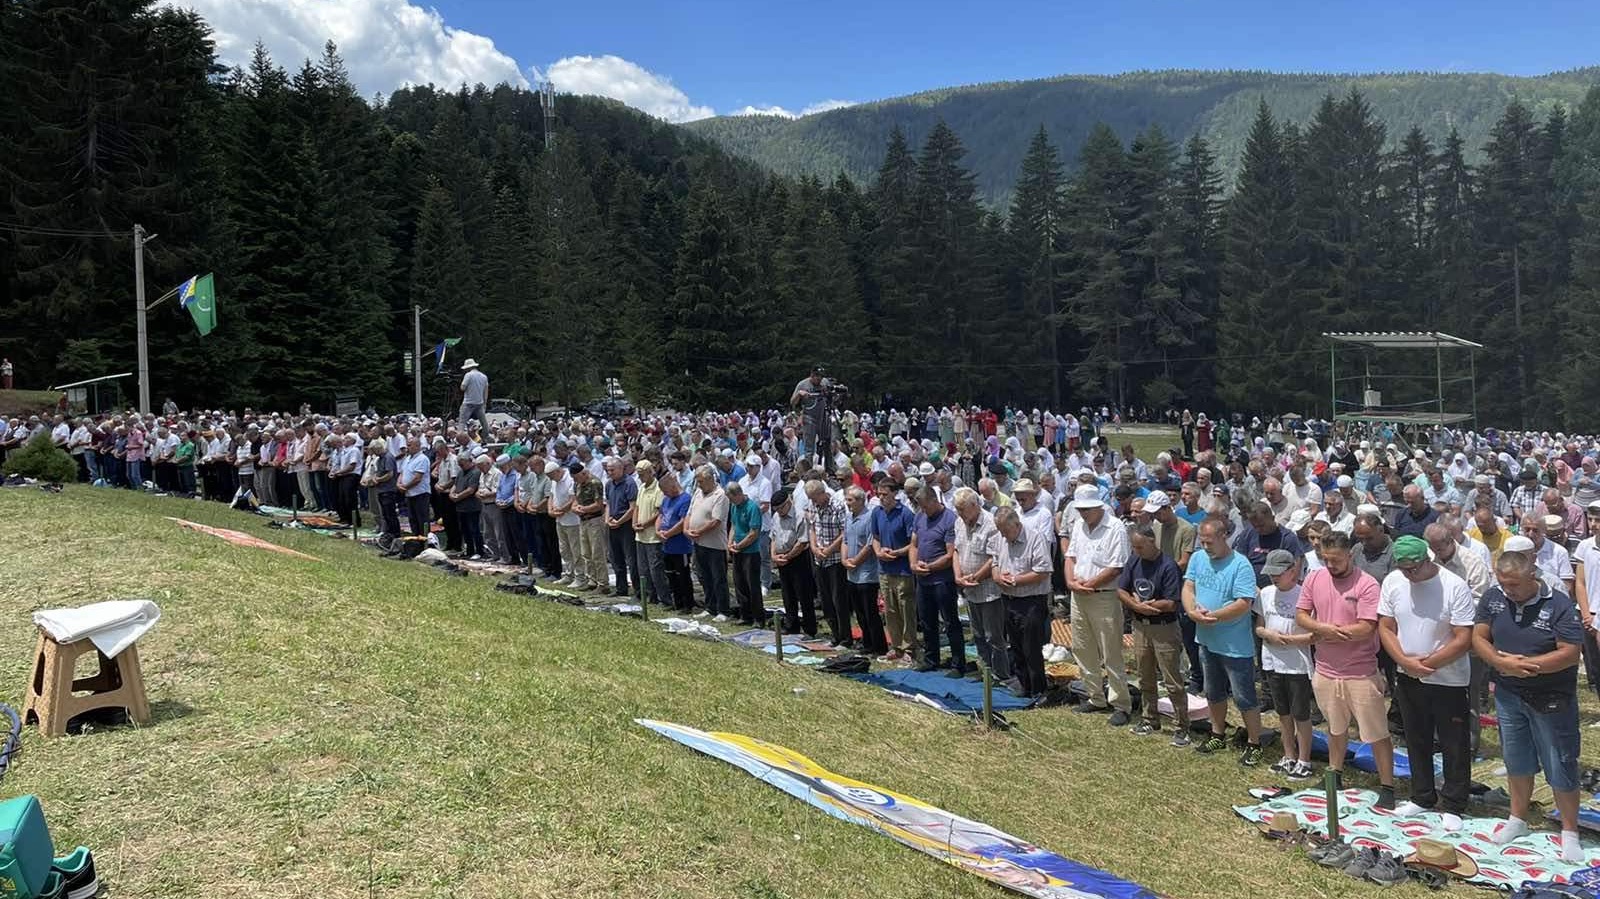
<point x="53" y="694"/>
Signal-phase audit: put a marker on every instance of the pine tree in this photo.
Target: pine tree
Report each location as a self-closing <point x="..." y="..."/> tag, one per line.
<point x="1260" y="336"/>
<point x="954" y="257"/>
<point x="1101" y="299"/>
<point x="1038" y="245"/>
<point x="1578" y="178"/>
<point x="896" y="289"/>
<point x="1198" y="206"/>
<point x="442" y="279"/>
<point x="713" y="339"/>
<point x="1164" y="322"/>
<point x="1453" y="250"/>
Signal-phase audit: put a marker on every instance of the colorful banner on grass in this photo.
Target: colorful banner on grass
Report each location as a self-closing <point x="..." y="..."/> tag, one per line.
<point x="973" y="847"/>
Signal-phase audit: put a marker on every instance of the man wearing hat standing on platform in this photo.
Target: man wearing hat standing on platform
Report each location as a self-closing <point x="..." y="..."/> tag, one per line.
<point x="474" y="396"/>
<point x="1425" y="617"/>
<point x="1096" y="554"/>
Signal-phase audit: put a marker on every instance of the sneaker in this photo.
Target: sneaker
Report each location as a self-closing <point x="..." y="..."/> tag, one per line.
<point x="1119" y="718"/>
<point x="54" y="886"/>
<point x="1361" y="863"/>
<point x="1212" y="743"/>
<point x="1409" y="809"/>
<point x="1251" y="756"/>
<point x="1337" y="855"/>
<point x="77" y="872"/>
<point x="1282" y="766"/>
<point x="719" y="618"/>
<point x="1089" y="708"/>
<point x="1387" y="870"/>
<point x="1145" y="729"/>
<point x="702" y="614"/>
<point x="1301" y="771"/>
<point x="1180" y="739"/>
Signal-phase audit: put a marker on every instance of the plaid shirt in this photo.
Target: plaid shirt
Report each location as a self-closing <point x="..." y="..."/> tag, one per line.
<point x="1525" y="501"/>
<point x="829" y="521"/>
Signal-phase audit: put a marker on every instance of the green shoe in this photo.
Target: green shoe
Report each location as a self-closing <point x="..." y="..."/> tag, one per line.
<point x="1210" y="744"/>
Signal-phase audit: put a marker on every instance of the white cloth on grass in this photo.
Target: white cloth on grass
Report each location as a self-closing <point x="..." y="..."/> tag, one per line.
<point x="112" y="626"/>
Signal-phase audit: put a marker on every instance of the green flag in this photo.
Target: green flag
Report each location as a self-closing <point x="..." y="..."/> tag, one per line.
<point x="199" y="297"/>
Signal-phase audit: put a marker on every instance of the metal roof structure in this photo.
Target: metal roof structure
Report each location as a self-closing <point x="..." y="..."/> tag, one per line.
<point x="1403" y="340"/>
<point x="1406" y="418"/>
<point x="126" y="374"/>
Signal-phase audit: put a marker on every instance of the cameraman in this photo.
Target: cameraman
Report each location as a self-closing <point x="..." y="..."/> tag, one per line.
<point x="813" y="397"/>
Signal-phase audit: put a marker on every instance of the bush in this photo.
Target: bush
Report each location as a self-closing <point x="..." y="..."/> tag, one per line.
<point x="42" y="460"/>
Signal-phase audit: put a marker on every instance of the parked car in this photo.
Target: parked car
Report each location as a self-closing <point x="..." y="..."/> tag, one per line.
<point x="610" y="408"/>
<point x="502" y="412"/>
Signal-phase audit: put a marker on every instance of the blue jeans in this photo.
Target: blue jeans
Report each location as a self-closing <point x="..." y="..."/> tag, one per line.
<point x="936" y="598"/>
<point x="135" y="475"/>
<point x="1225" y="674"/>
<point x="1541" y="734"/>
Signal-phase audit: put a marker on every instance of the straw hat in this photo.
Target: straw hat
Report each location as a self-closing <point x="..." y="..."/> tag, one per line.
<point x="1280" y="824"/>
<point x="1442" y="856"/>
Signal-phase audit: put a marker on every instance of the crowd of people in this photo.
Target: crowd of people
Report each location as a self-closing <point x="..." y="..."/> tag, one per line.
<point x="1386" y="589"/>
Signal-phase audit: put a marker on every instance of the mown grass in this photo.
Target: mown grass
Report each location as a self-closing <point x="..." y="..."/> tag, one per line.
<point x="359" y="727"/>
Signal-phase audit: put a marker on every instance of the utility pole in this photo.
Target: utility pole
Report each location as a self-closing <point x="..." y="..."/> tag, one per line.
<point x="416" y="355"/>
<point x="139" y="241"/>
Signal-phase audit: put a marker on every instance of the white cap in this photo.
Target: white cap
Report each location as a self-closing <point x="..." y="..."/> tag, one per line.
<point x="1368" y="509"/>
<point x="752" y="459"/>
<point x="1518" y="544"/>
<point x="1157" y="499"/>
<point x="925" y="468"/>
<point x="1299" y="519"/>
<point x="1345" y="481"/>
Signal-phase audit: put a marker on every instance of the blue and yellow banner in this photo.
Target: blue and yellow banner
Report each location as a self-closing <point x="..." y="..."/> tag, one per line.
<point x="973" y="847"/>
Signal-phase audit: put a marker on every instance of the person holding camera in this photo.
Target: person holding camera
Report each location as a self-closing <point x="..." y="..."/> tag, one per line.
<point x="813" y="396"/>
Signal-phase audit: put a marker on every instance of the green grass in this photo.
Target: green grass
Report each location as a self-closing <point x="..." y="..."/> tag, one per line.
<point x="358" y="727"/>
<point x="28" y="402"/>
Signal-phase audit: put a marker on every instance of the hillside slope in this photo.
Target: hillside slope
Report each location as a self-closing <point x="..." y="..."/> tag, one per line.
<point x="995" y="120"/>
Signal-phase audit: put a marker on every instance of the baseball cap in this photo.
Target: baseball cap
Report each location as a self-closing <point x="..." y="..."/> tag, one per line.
<point x="752" y="459"/>
<point x="1278" y="561"/>
<point x="1157" y="499"/>
<point x="1410" y="548"/>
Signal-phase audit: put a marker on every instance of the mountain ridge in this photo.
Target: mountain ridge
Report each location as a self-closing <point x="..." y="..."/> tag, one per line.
<point x="995" y="119"/>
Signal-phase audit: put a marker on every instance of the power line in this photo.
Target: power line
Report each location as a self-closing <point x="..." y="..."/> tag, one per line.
<point x="42" y="231"/>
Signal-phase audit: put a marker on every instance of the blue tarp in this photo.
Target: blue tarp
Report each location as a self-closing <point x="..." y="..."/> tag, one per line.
<point x="1359" y="756"/>
<point x="955" y="694"/>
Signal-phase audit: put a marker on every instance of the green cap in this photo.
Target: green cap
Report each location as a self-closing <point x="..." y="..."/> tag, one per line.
<point x="1410" y="549"/>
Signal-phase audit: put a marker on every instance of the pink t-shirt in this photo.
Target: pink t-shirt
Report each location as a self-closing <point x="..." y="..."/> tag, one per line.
<point x="1325" y="598"/>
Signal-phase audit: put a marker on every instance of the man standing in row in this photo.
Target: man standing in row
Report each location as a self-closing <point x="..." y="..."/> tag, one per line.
<point x="1095" y="555"/>
<point x="1219" y="594"/>
<point x="1425" y="617"/>
<point x="977" y="545"/>
<point x="1151" y="588"/>
<point x="932" y="551"/>
<point x="891" y="541"/>
<point x="1022" y="571"/>
<point x="622" y="494"/>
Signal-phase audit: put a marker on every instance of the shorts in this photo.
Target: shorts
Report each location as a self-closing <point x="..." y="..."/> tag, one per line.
<point x="1230" y="674"/>
<point x="1291" y="695"/>
<point x="1341" y="698"/>
<point x="1540" y="733"/>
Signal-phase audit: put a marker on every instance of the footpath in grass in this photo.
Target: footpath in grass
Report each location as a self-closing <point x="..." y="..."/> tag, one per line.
<point x="360" y="727"/>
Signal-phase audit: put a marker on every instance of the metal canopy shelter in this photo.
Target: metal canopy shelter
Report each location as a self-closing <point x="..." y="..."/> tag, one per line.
<point x="94" y="385"/>
<point x="1437" y="341"/>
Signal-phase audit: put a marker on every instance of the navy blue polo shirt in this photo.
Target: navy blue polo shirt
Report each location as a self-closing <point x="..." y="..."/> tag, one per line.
<point x="1532" y="629"/>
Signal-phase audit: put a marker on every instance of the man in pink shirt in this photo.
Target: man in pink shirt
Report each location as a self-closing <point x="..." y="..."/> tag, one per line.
<point x="1339" y="607"/>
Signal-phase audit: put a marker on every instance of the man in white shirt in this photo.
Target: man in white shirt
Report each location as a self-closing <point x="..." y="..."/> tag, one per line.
<point x="1095" y="555"/>
<point x="1301" y="491"/>
<point x="1334" y="511"/>
<point x="758" y="486"/>
<point x="1550" y="556"/>
<point x="1586" y="595"/>
<point x="1425" y="620"/>
<point x="61" y="433"/>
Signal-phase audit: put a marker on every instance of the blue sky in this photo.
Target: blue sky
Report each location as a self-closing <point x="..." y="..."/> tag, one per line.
<point x="685" y="60"/>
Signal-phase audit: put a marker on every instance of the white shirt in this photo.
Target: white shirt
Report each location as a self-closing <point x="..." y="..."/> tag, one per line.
<point x="560" y="494"/>
<point x="1277" y="610"/>
<point x="1425" y="616"/>
<point x="1344" y="524"/>
<point x="60" y="434"/>
<point x="1553" y="560"/>
<point x="1303" y="496"/>
<point x="1466" y="565"/>
<point x="1038" y="520"/>
<point x="1093" y="550"/>
<point x="1588" y="555"/>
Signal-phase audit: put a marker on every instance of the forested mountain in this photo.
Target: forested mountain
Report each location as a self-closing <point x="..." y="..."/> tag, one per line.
<point x="1120" y="269"/>
<point x="995" y="120"/>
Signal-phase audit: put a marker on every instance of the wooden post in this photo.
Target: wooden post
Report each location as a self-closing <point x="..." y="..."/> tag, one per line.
<point x="777" y="636"/>
<point x="988" y="695"/>
<point x="1330" y="784"/>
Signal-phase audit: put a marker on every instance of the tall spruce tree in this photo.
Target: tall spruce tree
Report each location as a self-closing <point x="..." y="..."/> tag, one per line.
<point x="1101" y="300"/>
<point x="1038" y="245"/>
<point x="1198" y="206"/>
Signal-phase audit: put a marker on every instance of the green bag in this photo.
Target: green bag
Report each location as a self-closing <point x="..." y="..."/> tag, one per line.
<point x="25" y="848"/>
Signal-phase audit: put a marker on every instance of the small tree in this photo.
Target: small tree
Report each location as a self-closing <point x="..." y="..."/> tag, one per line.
<point x="42" y="460"/>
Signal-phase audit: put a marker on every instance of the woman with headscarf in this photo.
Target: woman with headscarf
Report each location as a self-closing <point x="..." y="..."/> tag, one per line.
<point x="991" y="449"/>
<point x="1202" y="434"/>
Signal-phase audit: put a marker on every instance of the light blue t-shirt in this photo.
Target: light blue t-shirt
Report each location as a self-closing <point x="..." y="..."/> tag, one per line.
<point x="1216" y="584"/>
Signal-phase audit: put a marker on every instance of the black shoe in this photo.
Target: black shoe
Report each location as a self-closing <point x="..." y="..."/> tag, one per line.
<point x="79" y="880"/>
<point x="925" y="668"/>
<point x="1119" y="718"/>
<point x="1086" y="708"/>
<point x="956" y="673"/>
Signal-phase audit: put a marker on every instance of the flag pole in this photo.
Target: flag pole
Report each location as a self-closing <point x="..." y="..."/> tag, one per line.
<point x="416" y="354"/>
<point x="164" y="297"/>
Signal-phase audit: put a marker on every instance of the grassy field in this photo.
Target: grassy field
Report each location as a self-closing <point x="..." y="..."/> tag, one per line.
<point x="356" y="727"/>
<point x="28" y="402"/>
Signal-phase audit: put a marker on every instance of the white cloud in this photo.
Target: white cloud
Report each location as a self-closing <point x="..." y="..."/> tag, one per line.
<point x="633" y="84"/>
<point x="385" y="43"/>
<point x="819" y="106"/>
